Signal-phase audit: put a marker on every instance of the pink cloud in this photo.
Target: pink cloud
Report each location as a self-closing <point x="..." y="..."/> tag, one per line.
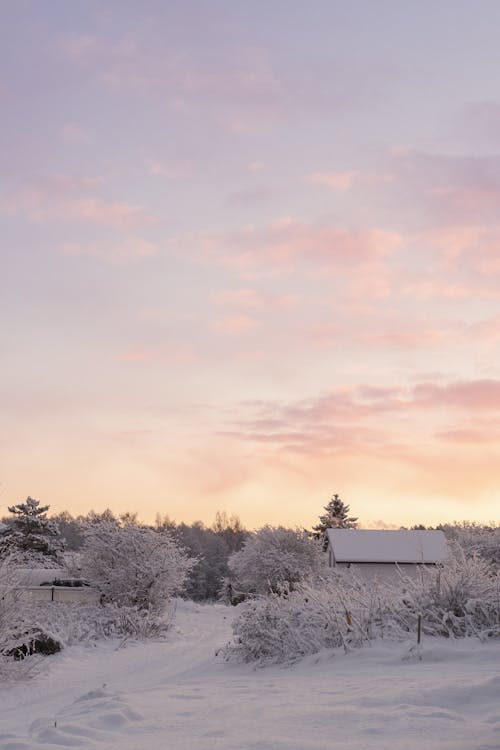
<point x="363" y="417"/>
<point x="252" y="299"/>
<point x="241" y="87"/>
<point x="244" y="82"/>
<point x="114" y="214"/>
<point x="234" y="324"/>
<point x="336" y="180"/>
<point x="451" y="191"/>
<point x="348" y="179"/>
<point x="488" y="328"/>
<point x="472" y="394"/>
<point x="255" y="167"/>
<point x="470" y="435"/>
<point x="455" y="263"/>
<point x="380" y="333"/>
<point x="139" y="355"/>
<point x="429" y="286"/>
<point x="174" y="353"/>
<point x="65" y="199"/>
<point x="288" y="241"/>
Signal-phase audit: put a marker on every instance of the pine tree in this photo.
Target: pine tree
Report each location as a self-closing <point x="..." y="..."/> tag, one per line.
<point x="336" y="517"/>
<point x="33" y="537"/>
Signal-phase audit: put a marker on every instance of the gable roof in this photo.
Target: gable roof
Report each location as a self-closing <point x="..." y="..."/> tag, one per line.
<point x="398" y="546"/>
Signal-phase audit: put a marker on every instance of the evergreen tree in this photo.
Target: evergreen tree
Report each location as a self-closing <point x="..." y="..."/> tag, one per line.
<point x="336" y="517"/>
<point x="32" y="537"/>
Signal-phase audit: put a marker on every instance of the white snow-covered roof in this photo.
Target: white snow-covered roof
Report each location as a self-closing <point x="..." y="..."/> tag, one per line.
<point x="398" y="546"/>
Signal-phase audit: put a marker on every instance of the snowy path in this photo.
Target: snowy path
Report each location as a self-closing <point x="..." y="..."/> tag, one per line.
<point x="177" y="696"/>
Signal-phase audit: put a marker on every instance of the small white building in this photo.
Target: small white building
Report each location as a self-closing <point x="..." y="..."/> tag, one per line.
<point x="382" y="552"/>
<point x="53" y="585"/>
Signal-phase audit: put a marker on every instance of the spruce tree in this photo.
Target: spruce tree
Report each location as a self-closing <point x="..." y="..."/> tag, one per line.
<point x="33" y="537"/>
<point x="336" y="517"/>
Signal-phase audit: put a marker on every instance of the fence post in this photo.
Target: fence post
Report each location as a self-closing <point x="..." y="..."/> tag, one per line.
<point x="419" y="628"/>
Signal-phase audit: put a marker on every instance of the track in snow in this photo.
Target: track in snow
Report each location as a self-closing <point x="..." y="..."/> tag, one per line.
<point x="177" y="695"/>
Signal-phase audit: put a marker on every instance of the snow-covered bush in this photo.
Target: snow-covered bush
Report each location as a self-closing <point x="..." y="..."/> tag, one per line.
<point x="132" y="565"/>
<point x="88" y="622"/>
<point x="272" y="557"/>
<point x="44" y="628"/>
<point x="9" y="593"/>
<point x="11" y="614"/>
<point x="340" y="610"/>
<point x="458" y="598"/>
<point x="476" y="539"/>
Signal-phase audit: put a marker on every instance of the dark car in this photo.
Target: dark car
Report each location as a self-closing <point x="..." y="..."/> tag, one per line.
<point x="68" y="582"/>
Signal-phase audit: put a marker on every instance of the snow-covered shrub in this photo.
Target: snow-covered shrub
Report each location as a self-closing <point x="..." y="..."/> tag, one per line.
<point x="337" y="611"/>
<point x="459" y="598"/>
<point x="87" y="622"/>
<point x="11" y="617"/>
<point x="9" y="593"/>
<point x="44" y="628"/>
<point x="476" y="539"/>
<point x="272" y="557"/>
<point x="132" y="565"/>
<point x="456" y="599"/>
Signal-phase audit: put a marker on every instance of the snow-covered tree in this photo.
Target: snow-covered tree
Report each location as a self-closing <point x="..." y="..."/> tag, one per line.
<point x="476" y="539"/>
<point x="133" y="565"/>
<point x="272" y="557"/>
<point x="32" y="537"/>
<point x="230" y="529"/>
<point x="336" y="516"/>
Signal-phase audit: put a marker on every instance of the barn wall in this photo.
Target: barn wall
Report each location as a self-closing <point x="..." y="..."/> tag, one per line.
<point x="382" y="571"/>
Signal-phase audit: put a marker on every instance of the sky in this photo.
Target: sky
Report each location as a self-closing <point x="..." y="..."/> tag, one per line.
<point x="250" y="257"/>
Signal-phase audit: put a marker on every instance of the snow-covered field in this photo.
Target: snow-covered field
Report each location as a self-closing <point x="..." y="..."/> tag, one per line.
<point x="178" y="695"/>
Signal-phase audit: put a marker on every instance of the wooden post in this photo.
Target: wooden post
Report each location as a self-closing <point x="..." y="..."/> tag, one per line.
<point x="419" y="628"/>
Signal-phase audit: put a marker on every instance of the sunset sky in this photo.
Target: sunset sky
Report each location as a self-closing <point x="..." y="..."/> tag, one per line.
<point x="250" y="257"/>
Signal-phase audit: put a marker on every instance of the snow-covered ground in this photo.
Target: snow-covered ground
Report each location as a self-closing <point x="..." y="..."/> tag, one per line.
<point x="177" y="695"/>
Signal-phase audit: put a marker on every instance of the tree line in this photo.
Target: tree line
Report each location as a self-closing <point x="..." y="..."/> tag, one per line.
<point x="63" y="540"/>
<point x="223" y="560"/>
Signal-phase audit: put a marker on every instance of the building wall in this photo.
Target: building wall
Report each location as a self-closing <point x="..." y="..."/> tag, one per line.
<point x="61" y="594"/>
<point x="382" y="571"/>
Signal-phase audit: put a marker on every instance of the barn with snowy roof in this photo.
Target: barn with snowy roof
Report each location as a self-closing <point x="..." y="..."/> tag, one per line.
<point x="382" y="552"/>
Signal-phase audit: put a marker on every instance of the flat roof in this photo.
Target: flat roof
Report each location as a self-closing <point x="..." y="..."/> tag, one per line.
<point x="387" y="546"/>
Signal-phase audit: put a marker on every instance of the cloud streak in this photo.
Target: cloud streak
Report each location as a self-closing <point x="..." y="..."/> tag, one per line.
<point x="287" y="242"/>
<point x="356" y="417"/>
<point x="64" y="199"/>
